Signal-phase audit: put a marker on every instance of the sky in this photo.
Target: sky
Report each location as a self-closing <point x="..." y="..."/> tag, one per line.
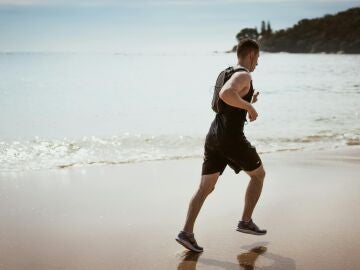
<point x="145" y="26"/>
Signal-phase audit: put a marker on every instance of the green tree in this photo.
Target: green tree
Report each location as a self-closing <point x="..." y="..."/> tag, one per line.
<point x="268" y="30"/>
<point x="263" y="28"/>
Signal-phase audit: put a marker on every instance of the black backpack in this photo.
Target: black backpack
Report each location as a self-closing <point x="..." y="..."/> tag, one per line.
<point x="221" y="80"/>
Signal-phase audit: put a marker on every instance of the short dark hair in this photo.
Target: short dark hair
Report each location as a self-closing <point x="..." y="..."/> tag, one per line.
<point x="245" y="46"/>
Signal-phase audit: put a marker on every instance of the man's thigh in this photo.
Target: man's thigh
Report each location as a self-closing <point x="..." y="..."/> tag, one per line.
<point x="213" y="161"/>
<point x="241" y="155"/>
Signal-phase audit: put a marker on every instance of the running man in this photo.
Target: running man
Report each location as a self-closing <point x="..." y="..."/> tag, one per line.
<point x="226" y="144"/>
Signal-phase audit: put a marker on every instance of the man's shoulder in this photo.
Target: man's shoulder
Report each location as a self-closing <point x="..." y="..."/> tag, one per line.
<point x="240" y="80"/>
<point x="242" y="75"/>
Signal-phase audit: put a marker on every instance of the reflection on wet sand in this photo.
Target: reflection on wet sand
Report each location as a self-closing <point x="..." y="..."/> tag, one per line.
<point x="246" y="260"/>
<point x="189" y="260"/>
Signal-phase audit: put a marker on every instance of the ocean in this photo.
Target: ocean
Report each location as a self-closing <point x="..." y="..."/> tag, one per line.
<point x="59" y="110"/>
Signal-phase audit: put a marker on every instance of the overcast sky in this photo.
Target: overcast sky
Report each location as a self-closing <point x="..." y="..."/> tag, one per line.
<point x="145" y="26"/>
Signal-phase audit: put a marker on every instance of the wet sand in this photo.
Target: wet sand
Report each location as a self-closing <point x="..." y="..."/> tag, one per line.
<point x="127" y="216"/>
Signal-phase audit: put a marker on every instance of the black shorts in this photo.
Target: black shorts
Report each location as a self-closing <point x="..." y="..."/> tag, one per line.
<point x="238" y="153"/>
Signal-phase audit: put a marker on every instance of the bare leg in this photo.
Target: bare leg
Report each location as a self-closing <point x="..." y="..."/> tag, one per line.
<point x="207" y="185"/>
<point x="253" y="191"/>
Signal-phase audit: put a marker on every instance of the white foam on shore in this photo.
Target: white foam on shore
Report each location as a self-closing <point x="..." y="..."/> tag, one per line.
<point x="51" y="154"/>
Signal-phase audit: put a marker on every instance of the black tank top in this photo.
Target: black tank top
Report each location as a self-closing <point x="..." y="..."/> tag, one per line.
<point x="230" y="122"/>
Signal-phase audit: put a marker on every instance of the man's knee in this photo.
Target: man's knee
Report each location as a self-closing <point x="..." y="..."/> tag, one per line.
<point x="258" y="174"/>
<point x="207" y="184"/>
<point x="262" y="173"/>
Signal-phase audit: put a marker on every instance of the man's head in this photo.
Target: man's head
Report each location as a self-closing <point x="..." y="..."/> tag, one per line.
<point x="248" y="53"/>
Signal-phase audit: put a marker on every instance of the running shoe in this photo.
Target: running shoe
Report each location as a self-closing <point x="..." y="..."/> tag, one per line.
<point x="188" y="240"/>
<point x="250" y="228"/>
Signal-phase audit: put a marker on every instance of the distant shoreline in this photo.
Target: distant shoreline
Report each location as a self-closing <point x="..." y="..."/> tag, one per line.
<point x="330" y="34"/>
<point x="316" y="53"/>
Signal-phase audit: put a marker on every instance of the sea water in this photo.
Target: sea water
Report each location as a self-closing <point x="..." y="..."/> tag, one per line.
<point x="74" y="109"/>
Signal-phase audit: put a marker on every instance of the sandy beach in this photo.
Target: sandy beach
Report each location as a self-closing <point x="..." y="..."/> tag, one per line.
<point x="127" y="216"/>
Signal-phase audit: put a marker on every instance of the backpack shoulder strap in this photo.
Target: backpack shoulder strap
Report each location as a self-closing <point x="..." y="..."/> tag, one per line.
<point x="239" y="69"/>
<point x="231" y="70"/>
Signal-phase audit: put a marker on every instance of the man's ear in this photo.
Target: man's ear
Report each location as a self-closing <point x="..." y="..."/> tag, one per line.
<point x="251" y="57"/>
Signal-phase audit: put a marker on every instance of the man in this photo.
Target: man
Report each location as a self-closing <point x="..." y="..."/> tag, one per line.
<point x="226" y="144"/>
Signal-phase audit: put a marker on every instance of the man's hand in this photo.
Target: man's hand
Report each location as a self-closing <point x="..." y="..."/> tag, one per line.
<point x="252" y="113"/>
<point x="254" y="98"/>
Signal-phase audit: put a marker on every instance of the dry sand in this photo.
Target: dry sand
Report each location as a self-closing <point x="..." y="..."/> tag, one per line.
<point x="127" y="216"/>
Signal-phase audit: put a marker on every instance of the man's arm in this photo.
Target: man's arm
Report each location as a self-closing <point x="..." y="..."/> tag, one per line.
<point x="233" y="91"/>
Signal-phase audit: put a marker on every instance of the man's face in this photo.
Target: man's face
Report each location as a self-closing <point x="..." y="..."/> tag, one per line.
<point x="253" y="58"/>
